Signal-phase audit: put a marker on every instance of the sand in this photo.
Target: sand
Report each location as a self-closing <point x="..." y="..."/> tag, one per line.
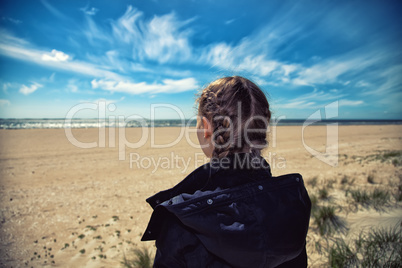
<point x="57" y="200"/>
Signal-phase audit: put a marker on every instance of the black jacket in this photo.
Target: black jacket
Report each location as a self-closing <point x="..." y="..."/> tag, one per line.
<point x="231" y="213"/>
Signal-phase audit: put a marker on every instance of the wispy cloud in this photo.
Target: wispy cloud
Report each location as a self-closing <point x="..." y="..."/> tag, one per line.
<point x="6" y="86"/>
<point x="8" y="38"/>
<point x="239" y="58"/>
<point x="89" y="11"/>
<point x="55" y="59"/>
<point x="94" y="33"/>
<point x="167" y="86"/>
<point x="53" y="10"/>
<point x="314" y="99"/>
<point x="51" y="77"/>
<point x="26" y="90"/>
<point x="110" y="80"/>
<point x="302" y="104"/>
<point x="71" y="86"/>
<point x="311" y="103"/>
<point x="392" y="82"/>
<point x="345" y="102"/>
<point x="15" y="21"/>
<point x="254" y="55"/>
<point x="132" y="47"/>
<point x="4" y="102"/>
<point x="330" y="70"/>
<point x="160" y="39"/>
<point x="227" y="22"/>
<point x="103" y="100"/>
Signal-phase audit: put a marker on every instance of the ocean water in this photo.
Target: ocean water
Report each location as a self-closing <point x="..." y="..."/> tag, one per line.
<point x="95" y="122"/>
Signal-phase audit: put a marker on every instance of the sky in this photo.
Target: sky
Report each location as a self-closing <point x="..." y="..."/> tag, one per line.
<point x="151" y="58"/>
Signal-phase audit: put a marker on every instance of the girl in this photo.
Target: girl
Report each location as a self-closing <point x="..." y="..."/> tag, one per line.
<point x="231" y="212"/>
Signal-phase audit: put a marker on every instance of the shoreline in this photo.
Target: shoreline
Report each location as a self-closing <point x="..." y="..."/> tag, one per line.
<point x="146" y="123"/>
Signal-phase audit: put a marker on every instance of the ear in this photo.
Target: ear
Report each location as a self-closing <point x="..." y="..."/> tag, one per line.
<point x="207" y="127"/>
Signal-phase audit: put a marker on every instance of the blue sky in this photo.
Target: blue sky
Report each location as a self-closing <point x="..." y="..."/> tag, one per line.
<point x="55" y="55"/>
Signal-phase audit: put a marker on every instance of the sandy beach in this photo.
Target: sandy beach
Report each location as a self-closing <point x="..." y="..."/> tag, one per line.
<point x="65" y="206"/>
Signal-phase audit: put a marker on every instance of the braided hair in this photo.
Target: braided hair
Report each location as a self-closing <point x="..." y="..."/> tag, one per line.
<point x="239" y="114"/>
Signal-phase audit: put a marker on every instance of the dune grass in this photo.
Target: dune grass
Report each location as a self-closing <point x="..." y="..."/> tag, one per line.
<point x="345" y="180"/>
<point x="397" y="192"/>
<point x="377" y="248"/>
<point x="390" y="157"/>
<point x="377" y="199"/>
<point x="327" y="221"/>
<point x="314" y="202"/>
<point x="323" y="193"/>
<point x="138" y="258"/>
<point x="341" y="255"/>
<point x="313" y="181"/>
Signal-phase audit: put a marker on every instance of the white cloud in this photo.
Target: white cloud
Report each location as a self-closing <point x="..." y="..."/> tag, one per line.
<point x="161" y="39"/>
<point x="219" y="55"/>
<point x="126" y="29"/>
<point x="258" y="64"/>
<point x="31" y="89"/>
<point x="55" y="56"/>
<point x="345" y="102"/>
<point x="164" y="41"/>
<point x="89" y="11"/>
<point x="289" y="68"/>
<point x="167" y="86"/>
<point x="4" y="102"/>
<point x="238" y="58"/>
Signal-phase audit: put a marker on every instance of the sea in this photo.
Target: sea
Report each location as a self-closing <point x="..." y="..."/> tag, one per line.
<point x="46" y="123"/>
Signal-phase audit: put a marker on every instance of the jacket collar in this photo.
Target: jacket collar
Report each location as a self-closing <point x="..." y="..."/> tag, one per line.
<point x="226" y="172"/>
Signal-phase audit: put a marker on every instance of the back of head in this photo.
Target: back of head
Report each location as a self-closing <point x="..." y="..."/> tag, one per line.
<point x="239" y="114"/>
